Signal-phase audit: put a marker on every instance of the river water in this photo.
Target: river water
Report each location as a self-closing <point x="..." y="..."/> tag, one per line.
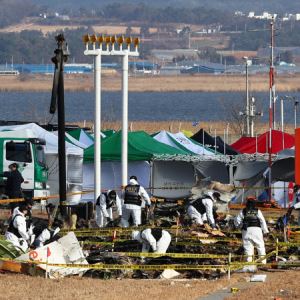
<point x="147" y="106"/>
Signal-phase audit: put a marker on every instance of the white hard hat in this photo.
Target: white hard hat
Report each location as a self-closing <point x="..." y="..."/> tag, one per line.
<point x="133" y="182"/>
<point x="136" y="235"/>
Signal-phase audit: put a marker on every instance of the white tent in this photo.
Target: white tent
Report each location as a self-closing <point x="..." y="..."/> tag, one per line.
<point x="111" y="175"/>
<point x="180" y="141"/>
<point x="172" y="179"/>
<point x="74" y="160"/>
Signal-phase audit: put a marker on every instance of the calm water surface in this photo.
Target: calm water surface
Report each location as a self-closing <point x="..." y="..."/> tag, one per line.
<point x="149" y="106"/>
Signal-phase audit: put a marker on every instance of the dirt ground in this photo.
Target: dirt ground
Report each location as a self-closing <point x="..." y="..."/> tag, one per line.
<point x="284" y="285"/>
<point x="25" y="287"/>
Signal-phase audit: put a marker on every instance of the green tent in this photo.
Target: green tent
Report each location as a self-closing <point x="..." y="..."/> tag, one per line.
<point x="141" y="147"/>
<point x="80" y="134"/>
<point x="108" y="133"/>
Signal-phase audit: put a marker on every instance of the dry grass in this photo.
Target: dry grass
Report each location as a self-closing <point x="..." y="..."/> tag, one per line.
<point x="43" y="28"/>
<point x="238" y="54"/>
<point x="112" y="82"/>
<point x="25" y="287"/>
<point x="29" y="24"/>
<point x="119" y="29"/>
<point x="283" y="285"/>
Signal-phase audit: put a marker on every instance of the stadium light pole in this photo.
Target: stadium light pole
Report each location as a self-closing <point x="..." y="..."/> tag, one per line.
<point x="110" y="45"/>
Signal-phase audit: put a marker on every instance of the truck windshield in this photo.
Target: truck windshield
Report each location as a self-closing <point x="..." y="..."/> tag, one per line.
<point x="20" y="152"/>
<point x="40" y="155"/>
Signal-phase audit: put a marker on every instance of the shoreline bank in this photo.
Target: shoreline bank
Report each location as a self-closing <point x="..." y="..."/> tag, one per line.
<point x="183" y="83"/>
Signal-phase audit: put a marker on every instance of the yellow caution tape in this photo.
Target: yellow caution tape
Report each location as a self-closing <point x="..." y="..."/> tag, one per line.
<point x="179" y="267"/>
<point x="5" y="201"/>
<point x="175" y="255"/>
<point x="100" y="266"/>
<point x="231" y="265"/>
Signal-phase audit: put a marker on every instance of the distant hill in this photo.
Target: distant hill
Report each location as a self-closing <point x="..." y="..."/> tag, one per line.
<point x="280" y="6"/>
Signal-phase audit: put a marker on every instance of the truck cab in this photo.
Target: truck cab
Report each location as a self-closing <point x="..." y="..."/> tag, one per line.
<point x="23" y="148"/>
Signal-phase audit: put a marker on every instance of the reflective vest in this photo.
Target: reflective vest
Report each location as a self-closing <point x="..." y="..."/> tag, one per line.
<point x="132" y="195"/>
<point x="110" y="202"/>
<point x="250" y="218"/>
<point x="12" y="229"/>
<point x="157" y="233"/>
<point x="200" y="207"/>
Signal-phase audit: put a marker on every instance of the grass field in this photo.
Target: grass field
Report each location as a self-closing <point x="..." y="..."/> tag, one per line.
<point x="43" y="28"/>
<point x="30" y="24"/>
<point x="281" y="285"/>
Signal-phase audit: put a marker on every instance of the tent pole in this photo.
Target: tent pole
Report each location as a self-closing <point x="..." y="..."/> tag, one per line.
<point x="125" y="121"/>
<point x="97" y="125"/>
<point x="203" y="139"/>
<point x="215" y="141"/>
<point x="256" y="146"/>
<point x="224" y="142"/>
<point x="151" y="178"/>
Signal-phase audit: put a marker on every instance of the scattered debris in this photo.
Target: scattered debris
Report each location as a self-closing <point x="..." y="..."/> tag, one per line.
<point x="66" y="250"/>
<point x="258" y="278"/>
<point x="234" y="290"/>
<point x="169" y="274"/>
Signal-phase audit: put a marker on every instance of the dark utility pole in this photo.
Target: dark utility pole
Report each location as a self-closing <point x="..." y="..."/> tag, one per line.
<point x="61" y="56"/>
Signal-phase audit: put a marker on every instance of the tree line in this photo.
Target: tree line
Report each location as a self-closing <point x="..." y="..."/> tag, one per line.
<point x="12" y="11"/>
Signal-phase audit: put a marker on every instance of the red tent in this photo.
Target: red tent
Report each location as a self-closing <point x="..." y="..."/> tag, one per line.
<point x="240" y="143"/>
<point x="280" y="141"/>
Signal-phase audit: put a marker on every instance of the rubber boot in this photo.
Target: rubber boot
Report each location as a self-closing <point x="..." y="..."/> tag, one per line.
<point x="73" y="221"/>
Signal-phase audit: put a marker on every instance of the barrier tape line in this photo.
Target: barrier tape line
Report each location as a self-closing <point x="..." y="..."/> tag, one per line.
<point x="174" y="255"/>
<point x="45" y="198"/>
<point x="56" y="196"/>
<point x="179" y="243"/>
<point x="187" y="243"/>
<point x="232" y="266"/>
<point x="130" y="229"/>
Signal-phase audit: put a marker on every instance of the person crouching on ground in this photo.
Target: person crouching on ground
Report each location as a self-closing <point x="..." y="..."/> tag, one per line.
<point x="104" y="207"/>
<point x="154" y="240"/>
<point x="202" y="209"/>
<point x="17" y="232"/>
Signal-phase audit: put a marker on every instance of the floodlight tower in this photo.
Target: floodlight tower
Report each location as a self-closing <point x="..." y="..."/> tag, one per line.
<point x="115" y="46"/>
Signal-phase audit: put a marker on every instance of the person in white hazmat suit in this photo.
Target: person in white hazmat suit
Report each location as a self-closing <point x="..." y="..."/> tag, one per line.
<point x="104" y="207"/>
<point x="135" y="197"/>
<point x="17" y="232"/>
<point x="253" y="226"/>
<point x="45" y="235"/>
<point x="153" y="239"/>
<point x="202" y="209"/>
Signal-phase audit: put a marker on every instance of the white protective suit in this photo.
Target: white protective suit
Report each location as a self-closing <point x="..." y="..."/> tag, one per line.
<point x="134" y="210"/>
<point x="19" y="223"/>
<point x="149" y="242"/>
<point x="45" y="236"/>
<point x="199" y="218"/>
<point x="253" y="236"/>
<point x="102" y="212"/>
